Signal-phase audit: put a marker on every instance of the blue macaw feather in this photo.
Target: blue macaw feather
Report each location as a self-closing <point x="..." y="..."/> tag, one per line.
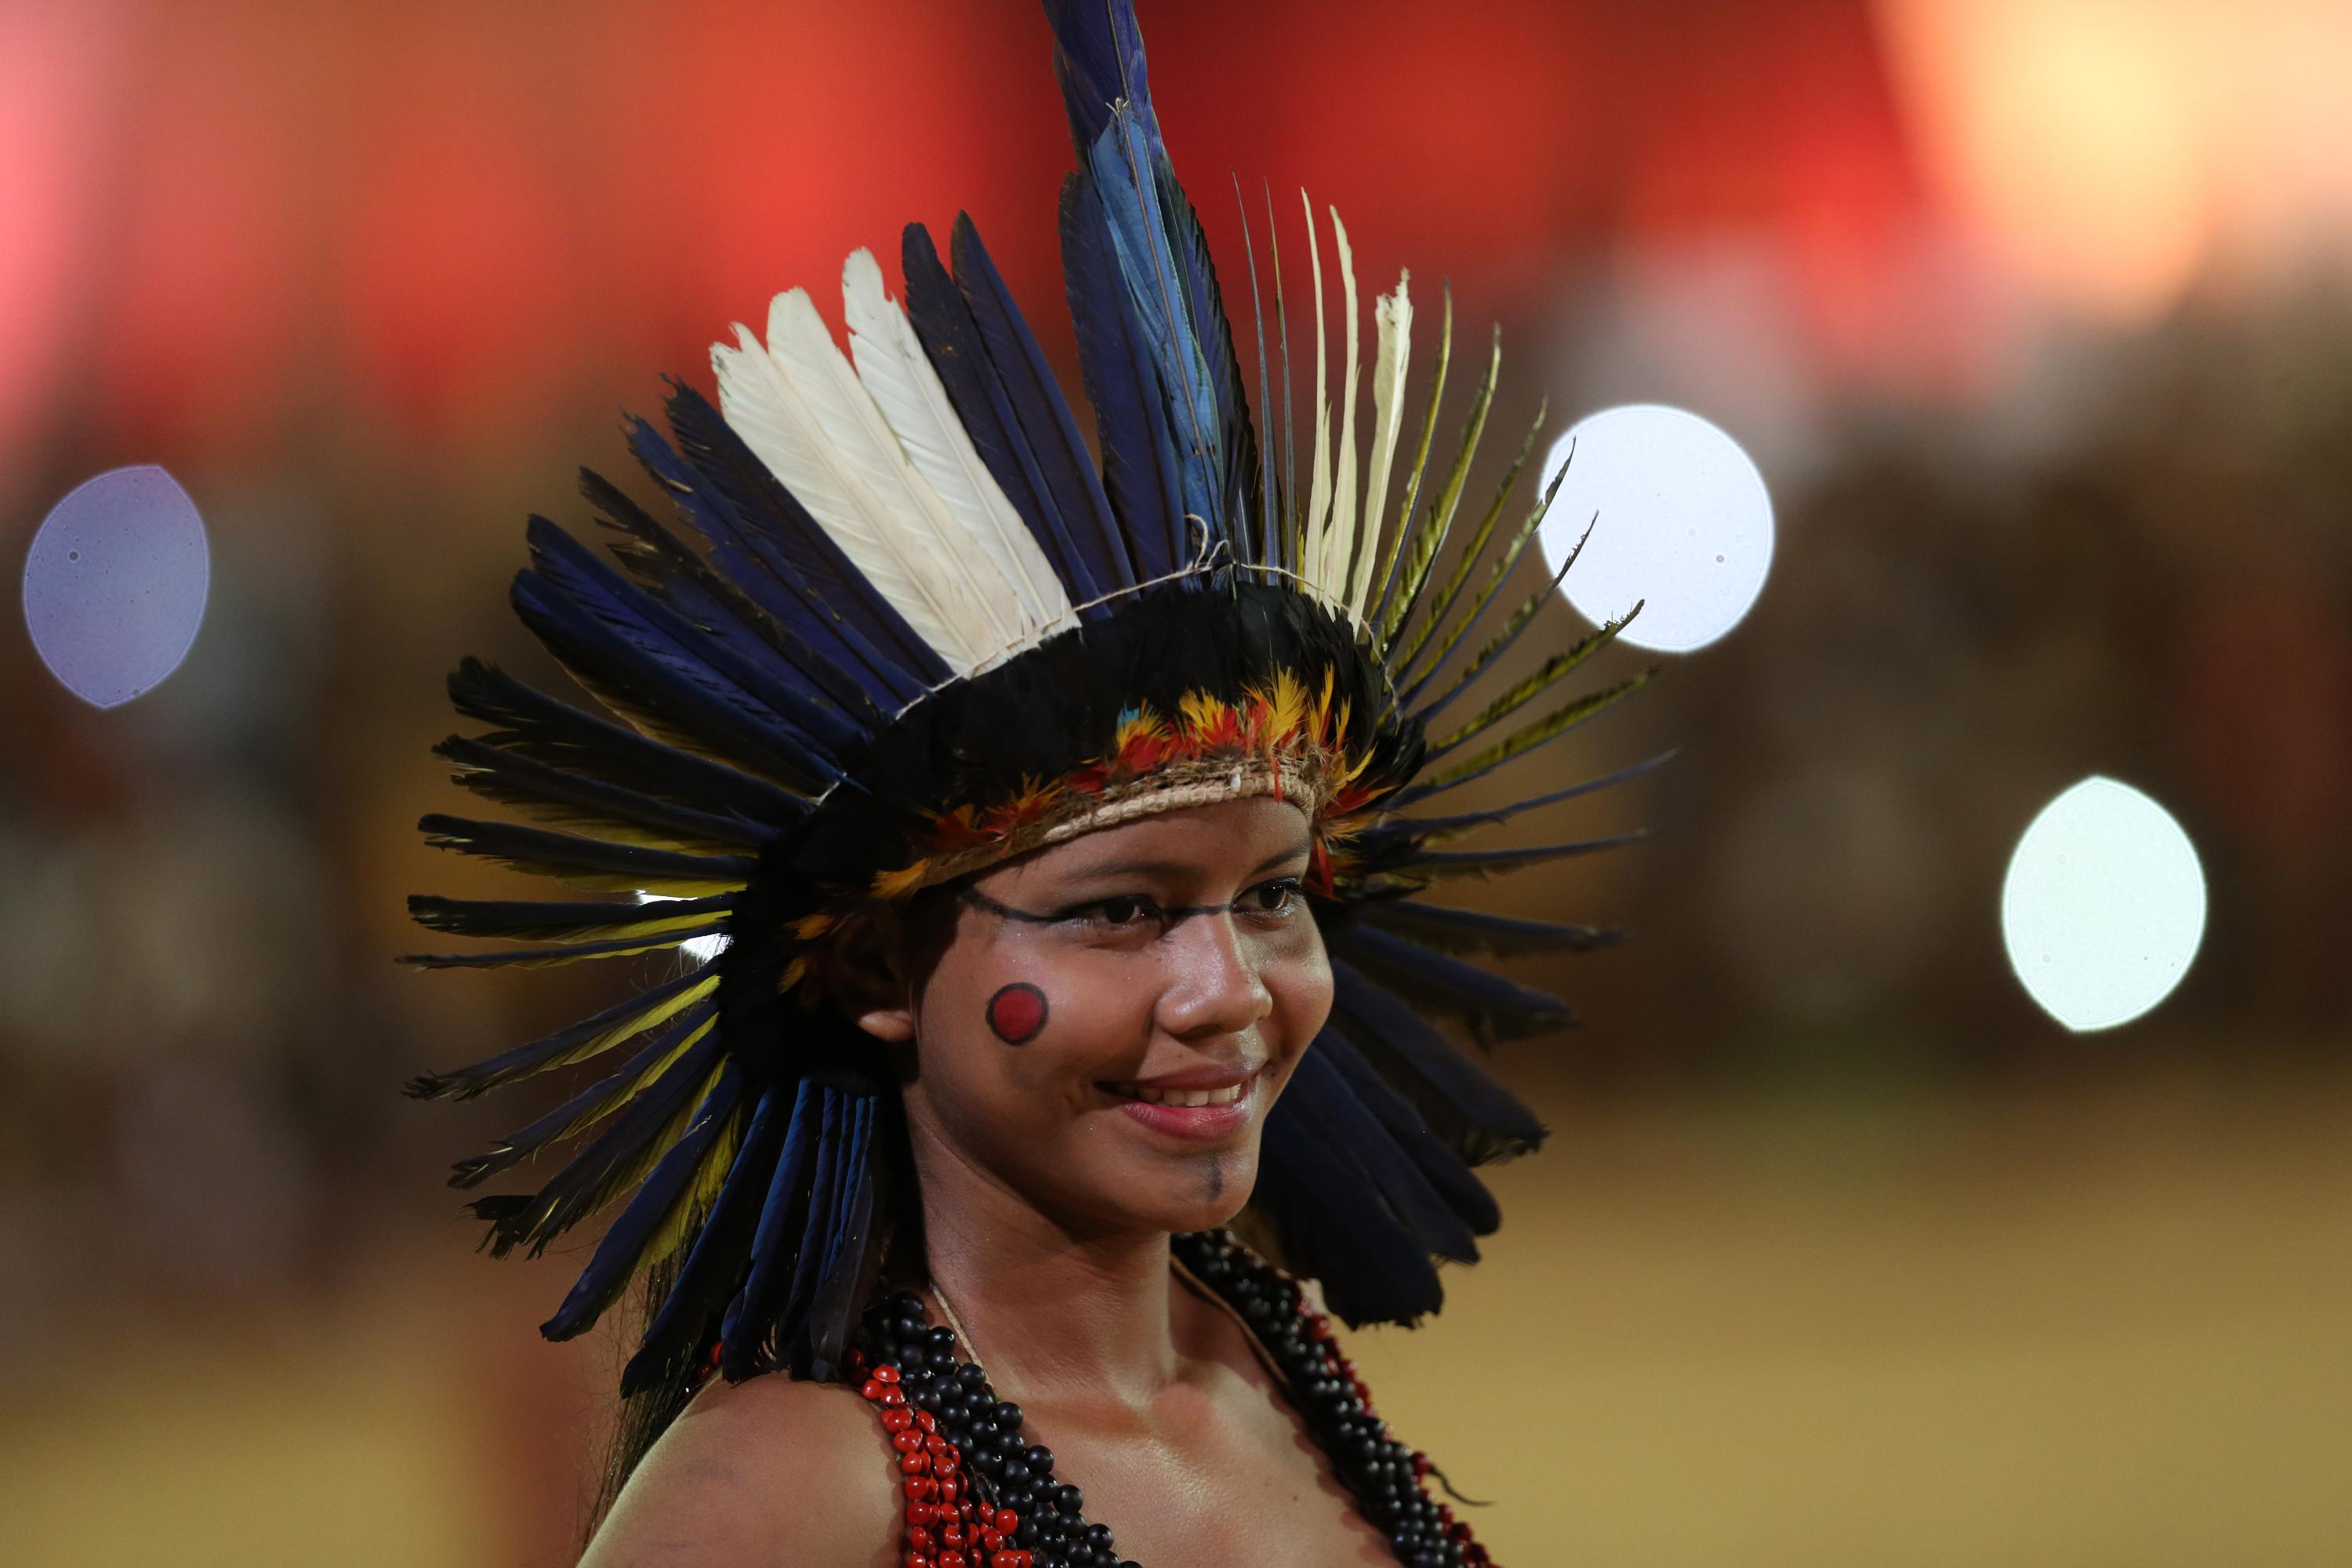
<point x="594" y="1176"/>
<point x="1196" y="270"/>
<point x="520" y="1144"/>
<point x="770" y="522"/>
<point x="1269" y="511"/>
<point x="1139" y="467"/>
<point x="1040" y="414"/>
<point x="1478" y="1118"/>
<point x="750" y="1316"/>
<point x="1427" y="826"/>
<point x="951" y="341"/>
<point x="1373" y="1270"/>
<point x="512" y="778"/>
<point x="606" y="629"/>
<point x="1138" y="234"/>
<point x="764" y="651"/>
<point x="1455" y="1182"/>
<point x="1323" y="1094"/>
<point x="465" y="1083"/>
<point x="717" y="1260"/>
<point x="557" y="734"/>
<point x="828" y="618"/>
<point x="808" y="1256"/>
<point x="1492" y="1006"/>
<point x="1452" y="929"/>
<point x="551" y="919"/>
<point x="617" y="1255"/>
<point x="1483" y="862"/>
<point x="833" y="1303"/>
<point x="1099" y="59"/>
<point x="538" y="847"/>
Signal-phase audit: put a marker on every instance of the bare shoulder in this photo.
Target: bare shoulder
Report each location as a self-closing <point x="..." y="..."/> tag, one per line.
<point x="767" y="1472"/>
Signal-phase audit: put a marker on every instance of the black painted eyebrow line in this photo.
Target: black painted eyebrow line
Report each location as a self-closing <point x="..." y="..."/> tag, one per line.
<point x="1172" y="913"/>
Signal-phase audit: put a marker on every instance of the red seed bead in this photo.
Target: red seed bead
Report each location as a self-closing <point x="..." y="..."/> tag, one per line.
<point x="893" y="1398"/>
<point x="886" y="1374"/>
<point x="990" y="1540"/>
<point x="913" y="1464"/>
<point x="947" y="1484"/>
<point x="952" y="1534"/>
<point x="918" y="1514"/>
<point x="1006" y="1560"/>
<point x="922" y="1540"/>
<point x="952" y="1560"/>
<point x="872" y="1390"/>
<point x="905" y="1442"/>
<point x="916" y="1559"/>
<point x="897" y="1418"/>
<point x="927" y="1421"/>
<point x="1006" y="1521"/>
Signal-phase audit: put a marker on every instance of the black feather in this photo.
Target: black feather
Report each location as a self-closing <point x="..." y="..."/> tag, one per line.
<point x="1477" y="1118"/>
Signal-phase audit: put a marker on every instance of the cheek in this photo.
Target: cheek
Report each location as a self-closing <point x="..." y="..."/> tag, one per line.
<point x="1298" y="982"/>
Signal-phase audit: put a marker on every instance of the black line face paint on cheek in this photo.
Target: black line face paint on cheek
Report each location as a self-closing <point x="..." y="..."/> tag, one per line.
<point x="1017" y="1013"/>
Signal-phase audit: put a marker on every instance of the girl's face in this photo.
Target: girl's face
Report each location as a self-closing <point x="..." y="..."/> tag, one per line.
<point x="1103" y="1024"/>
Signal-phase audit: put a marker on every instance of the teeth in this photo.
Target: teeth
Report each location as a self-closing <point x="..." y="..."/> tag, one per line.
<point x="1185" y="1097"/>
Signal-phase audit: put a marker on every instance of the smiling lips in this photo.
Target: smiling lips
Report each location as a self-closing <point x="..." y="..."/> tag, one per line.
<point x="1200" y="1112"/>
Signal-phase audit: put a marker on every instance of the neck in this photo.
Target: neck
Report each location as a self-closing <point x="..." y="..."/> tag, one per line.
<point x="995" y="1258"/>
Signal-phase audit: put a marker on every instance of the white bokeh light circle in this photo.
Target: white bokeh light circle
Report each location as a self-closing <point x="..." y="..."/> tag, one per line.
<point x="2103" y="905"/>
<point x="1684" y="525"/>
<point x="115" y="584"/>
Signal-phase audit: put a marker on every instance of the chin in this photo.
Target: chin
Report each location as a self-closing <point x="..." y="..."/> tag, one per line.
<point x="1202" y="1193"/>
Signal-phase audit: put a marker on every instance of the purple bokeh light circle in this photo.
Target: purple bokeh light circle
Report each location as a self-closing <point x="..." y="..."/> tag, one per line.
<point x="115" y="584"/>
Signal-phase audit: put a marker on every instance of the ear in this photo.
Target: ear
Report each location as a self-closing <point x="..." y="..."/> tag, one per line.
<point x="864" y="977"/>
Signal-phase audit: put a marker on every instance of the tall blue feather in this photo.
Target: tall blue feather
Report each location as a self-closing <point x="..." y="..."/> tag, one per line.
<point x="1139" y="467"/>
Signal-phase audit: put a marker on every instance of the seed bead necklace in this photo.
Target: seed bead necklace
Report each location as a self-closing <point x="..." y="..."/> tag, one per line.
<point x="979" y="1495"/>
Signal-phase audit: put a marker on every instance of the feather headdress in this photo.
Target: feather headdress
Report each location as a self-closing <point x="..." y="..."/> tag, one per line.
<point x="901" y="628"/>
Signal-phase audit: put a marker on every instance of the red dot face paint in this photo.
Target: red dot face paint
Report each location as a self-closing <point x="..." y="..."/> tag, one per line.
<point x="1016" y="1013"/>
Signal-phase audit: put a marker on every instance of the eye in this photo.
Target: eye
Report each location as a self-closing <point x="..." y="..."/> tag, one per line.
<point x="1276" y="898"/>
<point x="1127" y="911"/>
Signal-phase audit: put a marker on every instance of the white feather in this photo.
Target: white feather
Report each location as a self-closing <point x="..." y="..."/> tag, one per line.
<point x="1318" y="488"/>
<point x="907" y="389"/>
<point x="1393" y="322"/>
<point x="1340" y="537"/>
<point x="799" y="405"/>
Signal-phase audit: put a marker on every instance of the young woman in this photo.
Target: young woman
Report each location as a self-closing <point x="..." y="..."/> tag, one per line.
<point x="1053" y="841"/>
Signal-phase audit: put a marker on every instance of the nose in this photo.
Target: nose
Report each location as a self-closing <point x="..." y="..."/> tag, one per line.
<point x="1214" y="986"/>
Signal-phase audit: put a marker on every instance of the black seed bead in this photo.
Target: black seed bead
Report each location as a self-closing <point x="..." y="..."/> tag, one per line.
<point x="1098" y="1535"/>
<point x="969" y="1374"/>
<point x="1040" y="1459"/>
<point x="1068" y="1498"/>
<point x="1016" y="1472"/>
<point x="1008" y="1415"/>
<point x="1027" y="1535"/>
